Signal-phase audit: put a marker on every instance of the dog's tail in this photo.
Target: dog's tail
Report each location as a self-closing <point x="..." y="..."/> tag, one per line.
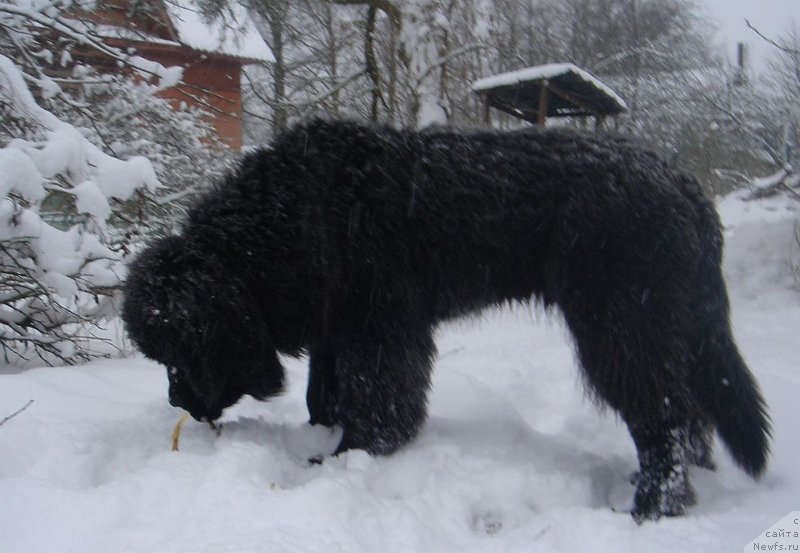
<point x="725" y="387"/>
<point x="729" y="394"/>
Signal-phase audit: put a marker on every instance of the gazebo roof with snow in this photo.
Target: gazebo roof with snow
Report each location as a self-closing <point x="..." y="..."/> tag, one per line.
<point x="554" y="90"/>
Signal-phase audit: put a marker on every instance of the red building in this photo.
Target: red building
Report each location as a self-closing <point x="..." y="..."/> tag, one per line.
<point x="211" y="54"/>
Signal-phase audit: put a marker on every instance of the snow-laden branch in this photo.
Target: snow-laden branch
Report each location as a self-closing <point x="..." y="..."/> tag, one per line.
<point x="781" y="180"/>
<point x="55" y="283"/>
<point x="14" y="90"/>
<point x="66" y="151"/>
<point x="775" y="156"/>
<point x="83" y="34"/>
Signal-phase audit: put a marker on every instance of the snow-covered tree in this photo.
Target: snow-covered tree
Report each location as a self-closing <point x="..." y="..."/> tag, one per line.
<point x="125" y="118"/>
<point x="318" y="65"/>
<point x="71" y="207"/>
<point x="407" y="63"/>
<point x="784" y="78"/>
<point x="744" y="127"/>
<point x="56" y="284"/>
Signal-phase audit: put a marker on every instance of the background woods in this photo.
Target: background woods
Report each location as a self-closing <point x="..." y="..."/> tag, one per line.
<point x="413" y="63"/>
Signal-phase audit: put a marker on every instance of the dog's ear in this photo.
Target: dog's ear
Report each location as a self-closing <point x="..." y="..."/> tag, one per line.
<point x="232" y="352"/>
<point x="184" y="310"/>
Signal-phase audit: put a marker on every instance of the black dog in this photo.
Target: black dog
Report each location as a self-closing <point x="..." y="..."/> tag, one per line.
<point x="351" y="243"/>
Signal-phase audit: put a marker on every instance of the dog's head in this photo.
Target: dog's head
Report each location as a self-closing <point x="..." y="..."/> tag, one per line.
<point x="187" y="311"/>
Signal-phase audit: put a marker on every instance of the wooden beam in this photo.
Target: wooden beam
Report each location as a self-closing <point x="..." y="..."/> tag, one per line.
<point x="544" y="102"/>
<point x="572" y="99"/>
<point x="599" y="122"/>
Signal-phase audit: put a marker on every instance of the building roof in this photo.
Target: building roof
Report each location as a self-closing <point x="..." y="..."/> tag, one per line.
<point x="574" y="92"/>
<point x="180" y="23"/>
<point x="232" y="34"/>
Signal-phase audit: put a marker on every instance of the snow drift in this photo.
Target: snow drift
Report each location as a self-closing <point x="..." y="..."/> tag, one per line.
<point x="530" y="467"/>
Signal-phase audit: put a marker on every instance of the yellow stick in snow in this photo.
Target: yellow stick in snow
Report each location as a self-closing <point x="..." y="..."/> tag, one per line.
<point x="176" y="432"/>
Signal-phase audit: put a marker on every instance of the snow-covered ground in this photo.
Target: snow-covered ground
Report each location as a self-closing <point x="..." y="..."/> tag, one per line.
<point x="513" y="458"/>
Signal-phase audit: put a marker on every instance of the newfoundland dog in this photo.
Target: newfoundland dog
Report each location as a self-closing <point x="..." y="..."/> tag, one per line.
<point x="351" y="243"/>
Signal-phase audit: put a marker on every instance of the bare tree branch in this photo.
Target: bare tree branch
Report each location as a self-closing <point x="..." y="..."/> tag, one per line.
<point x="386" y="6"/>
<point x="15" y="413"/>
<point x="329" y="92"/>
<point x="771" y="152"/>
<point x="782" y="47"/>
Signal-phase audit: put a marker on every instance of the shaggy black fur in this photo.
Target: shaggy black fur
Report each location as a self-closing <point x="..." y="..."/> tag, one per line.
<point x="352" y="243"/>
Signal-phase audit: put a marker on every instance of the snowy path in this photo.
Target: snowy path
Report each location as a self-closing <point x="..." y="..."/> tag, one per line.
<point x="513" y="458"/>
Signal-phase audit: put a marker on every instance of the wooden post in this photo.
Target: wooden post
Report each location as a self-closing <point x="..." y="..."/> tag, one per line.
<point x="599" y="122"/>
<point x="544" y="101"/>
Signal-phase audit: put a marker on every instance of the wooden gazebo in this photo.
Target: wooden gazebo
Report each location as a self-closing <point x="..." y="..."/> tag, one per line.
<point x="554" y="90"/>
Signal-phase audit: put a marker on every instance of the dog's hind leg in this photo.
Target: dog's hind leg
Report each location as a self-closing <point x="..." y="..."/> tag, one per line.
<point x="639" y="370"/>
<point x="383" y="381"/>
<point x="701" y="439"/>
<point x="662" y="485"/>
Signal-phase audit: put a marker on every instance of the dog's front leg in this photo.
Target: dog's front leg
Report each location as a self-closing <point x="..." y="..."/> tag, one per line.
<point x="383" y="383"/>
<point x="322" y="393"/>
